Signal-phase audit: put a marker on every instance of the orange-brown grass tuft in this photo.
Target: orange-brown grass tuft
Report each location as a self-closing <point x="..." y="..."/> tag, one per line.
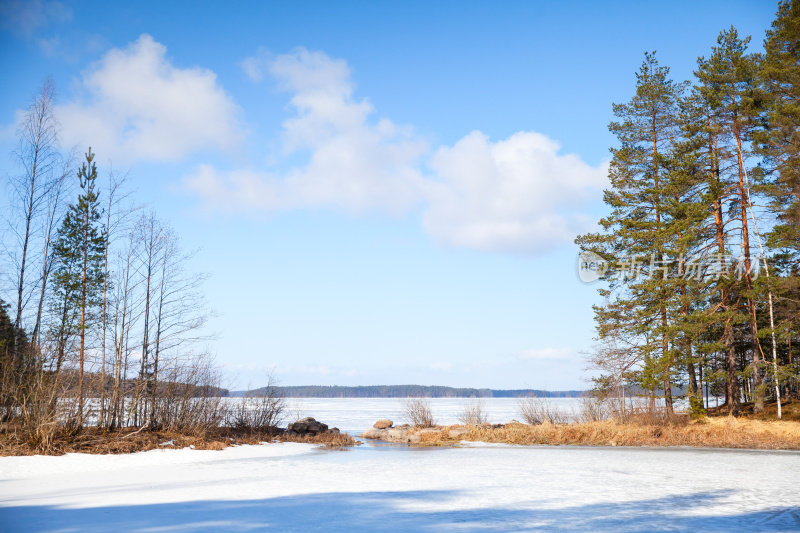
<point x="719" y="432"/>
<point x="334" y="440"/>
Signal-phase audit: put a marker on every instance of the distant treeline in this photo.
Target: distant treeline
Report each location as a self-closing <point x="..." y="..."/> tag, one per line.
<point x="405" y="391"/>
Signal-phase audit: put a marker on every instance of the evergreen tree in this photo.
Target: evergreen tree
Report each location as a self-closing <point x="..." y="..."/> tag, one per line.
<point x="779" y="144"/>
<point x="642" y="232"/>
<point x="12" y="375"/>
<point x="728" y="83"/>
<point x="7" y="360"/>
<point x="714" y="316"/>
<point x="79" y="254"/>
<point x="691" y="232"/>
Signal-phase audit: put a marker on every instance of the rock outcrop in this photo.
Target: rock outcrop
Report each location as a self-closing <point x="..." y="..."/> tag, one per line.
<point x="390" y="434"/>
<point x="385" y="430"/>
<point x="308" y="426"/>
<point x="408" y="434"/>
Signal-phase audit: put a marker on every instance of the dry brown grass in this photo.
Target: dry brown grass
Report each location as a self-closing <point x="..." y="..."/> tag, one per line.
<point x="130" y="440"/>
<point x="790" y="408"/>
<point x="718" y="432"/>
<point x="334" y="440"/>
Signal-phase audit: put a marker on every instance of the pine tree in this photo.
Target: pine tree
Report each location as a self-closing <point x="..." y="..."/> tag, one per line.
<point x="79" y="254"/>
<point x="779" y="144"/>
<point x="713" y="319"/>
<point x="779" y="141"/>
<point x="690" y="231"/>
<point x="641" y="232"/>
<point x="728" y="81"/>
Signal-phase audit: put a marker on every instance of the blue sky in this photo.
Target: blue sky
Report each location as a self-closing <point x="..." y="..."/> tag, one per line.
<point x="381" y="193"/>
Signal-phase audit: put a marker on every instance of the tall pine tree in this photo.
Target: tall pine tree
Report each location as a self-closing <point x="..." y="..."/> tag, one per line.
<point x="779" y="145"/>
<point x="641" y="231"/>
<point x="728" y="79"/>
<point x="79" y="272"/>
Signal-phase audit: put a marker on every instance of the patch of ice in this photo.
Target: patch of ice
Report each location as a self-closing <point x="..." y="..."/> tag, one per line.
<point x="299" y="487"/>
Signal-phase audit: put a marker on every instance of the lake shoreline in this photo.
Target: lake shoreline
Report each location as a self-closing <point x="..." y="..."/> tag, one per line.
<point x="712" y="432"/>
<point x="709" y="433"/>
<point x="561" y="423"/>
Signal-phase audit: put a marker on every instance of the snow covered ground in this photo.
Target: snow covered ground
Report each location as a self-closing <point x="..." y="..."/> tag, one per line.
<point x="296" y="487"/>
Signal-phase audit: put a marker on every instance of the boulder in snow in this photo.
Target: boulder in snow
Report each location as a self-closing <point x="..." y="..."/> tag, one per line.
<point x="308" y="426"/>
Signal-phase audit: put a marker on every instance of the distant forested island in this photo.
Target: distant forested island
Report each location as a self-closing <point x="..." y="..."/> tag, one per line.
<point x="403" y="391"/>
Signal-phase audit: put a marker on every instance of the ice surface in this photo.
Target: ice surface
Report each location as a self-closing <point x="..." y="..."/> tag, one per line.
<point x="355" y="415"/>
<point x="296" y="487"/>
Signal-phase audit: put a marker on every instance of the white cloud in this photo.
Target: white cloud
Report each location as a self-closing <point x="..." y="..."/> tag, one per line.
<point x="73" y="49"/>
<point x="24" y="17"/>
<point x="235" y="190"/>
<point x="141" y="107"/>
<point x="518" y="195"/>
<point x="353" y="162"/>
<point x="547" y="353"/>
<point x="255" y="67"/>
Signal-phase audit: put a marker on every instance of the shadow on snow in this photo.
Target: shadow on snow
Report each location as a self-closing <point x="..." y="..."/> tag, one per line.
<point x="396" y="511"/>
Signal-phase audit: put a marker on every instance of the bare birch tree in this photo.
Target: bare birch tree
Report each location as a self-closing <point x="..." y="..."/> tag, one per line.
<point x="38" y="158"/>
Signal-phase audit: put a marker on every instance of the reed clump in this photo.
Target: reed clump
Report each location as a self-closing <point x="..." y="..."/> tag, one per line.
<point x="715" y="432"/>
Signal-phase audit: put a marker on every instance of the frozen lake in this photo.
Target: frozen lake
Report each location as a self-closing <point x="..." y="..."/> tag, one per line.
<point x="376" y="487"/>
<point x="355" y="415"/>
<point x="297" y="487"/>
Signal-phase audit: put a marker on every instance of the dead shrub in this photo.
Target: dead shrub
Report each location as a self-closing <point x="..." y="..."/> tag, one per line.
<point x="418" y="413"/>
<point x="473" y="414"/>
<point x="535" y="411"/>
<point x="258" y="413"/>
<point x="592" y="409"/>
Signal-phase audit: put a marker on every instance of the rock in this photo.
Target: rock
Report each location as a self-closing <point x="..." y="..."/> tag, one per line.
<point x="307" y="426"/>
<point x="383" y="424"/>
<point x="404" y="433"/>
<point x="373" y="434"/>
<point x="390" y="434"/>
<point x="396" y="434"/>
